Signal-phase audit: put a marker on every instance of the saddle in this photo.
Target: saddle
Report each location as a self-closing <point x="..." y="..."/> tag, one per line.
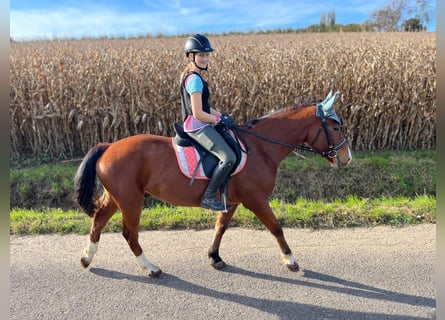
<point x="198" y="163"/>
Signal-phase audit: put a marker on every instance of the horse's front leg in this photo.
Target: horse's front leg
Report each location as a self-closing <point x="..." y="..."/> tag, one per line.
<point x="220" y="228"/>
<point x="265" y="213"/>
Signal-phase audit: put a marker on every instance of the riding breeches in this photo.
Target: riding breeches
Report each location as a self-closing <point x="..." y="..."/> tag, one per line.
<point x="212" y="141"/>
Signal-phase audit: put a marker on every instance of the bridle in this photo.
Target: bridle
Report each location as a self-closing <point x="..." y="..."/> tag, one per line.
<point x="331" y="153"/>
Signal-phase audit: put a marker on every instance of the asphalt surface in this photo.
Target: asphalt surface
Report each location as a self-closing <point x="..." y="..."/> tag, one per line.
<point x="364" y="273"/>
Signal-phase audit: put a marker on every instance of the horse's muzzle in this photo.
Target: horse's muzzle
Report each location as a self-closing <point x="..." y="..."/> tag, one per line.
<point x="339" y="158"/>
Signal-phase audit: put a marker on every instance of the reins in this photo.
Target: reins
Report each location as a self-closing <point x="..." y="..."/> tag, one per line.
<point x="332" y="153"/>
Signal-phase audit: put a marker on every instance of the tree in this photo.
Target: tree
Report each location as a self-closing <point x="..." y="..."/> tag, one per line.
<point x="421" y="11"/>
<point x="331" y="19"/>
<point x="388" y="18"/>
<point x="412" y="24"/>
<point x="323" y="19"/>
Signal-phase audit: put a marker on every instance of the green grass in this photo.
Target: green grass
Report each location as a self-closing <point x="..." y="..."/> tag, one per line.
<point x="351" y="212"/>
<point x="377" y="188"/>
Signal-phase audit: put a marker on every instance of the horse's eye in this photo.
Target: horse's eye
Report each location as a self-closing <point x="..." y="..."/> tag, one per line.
<point x="336" y="129"/>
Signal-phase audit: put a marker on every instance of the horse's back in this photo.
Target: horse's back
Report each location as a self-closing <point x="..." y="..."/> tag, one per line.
<point x="134" y="156"/>
<point x="137" y="146"/>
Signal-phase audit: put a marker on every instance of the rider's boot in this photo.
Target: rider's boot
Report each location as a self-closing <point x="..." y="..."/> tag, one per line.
<point x="209" y="200"/>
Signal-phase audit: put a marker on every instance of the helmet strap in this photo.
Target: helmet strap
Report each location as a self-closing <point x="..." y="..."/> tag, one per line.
<point x="205" y="69"/>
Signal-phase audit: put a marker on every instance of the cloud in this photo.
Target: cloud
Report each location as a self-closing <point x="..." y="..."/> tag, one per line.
<point x="76" y="23"/>
<point x="154" y="17"/>
<point x="77" y="19"/>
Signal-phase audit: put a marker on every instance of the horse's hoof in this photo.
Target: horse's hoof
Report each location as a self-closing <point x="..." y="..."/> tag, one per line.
<point x="219" y="265"/>
<point x="155" y="274"/>
<point x="293" y="267"/>
<point x="84" y="262"/>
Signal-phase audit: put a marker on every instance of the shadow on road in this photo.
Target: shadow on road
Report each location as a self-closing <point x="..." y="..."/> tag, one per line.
<point x="284" y="309"/>
<point x="346" y="287"/>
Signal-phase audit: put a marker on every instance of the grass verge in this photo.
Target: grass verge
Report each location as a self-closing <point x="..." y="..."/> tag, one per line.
<point x="350" y="212"/>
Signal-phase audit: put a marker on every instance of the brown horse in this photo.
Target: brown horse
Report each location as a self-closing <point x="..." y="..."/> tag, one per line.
<point x="146" y="164"/>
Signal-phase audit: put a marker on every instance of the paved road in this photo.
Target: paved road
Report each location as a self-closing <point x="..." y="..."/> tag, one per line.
<point x="365" y="273"/>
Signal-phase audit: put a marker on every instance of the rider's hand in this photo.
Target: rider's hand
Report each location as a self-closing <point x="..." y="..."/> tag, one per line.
<point x="227" y="120"/>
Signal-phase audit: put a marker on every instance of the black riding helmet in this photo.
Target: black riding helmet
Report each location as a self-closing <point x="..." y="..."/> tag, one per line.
<point x="197" y="43"/>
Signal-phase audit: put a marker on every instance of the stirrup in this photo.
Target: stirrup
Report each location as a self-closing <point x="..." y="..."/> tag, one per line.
<point x="214" y="204"/>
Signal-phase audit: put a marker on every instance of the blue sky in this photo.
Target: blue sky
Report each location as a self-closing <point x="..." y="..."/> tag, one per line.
<point x="48" y="19"/>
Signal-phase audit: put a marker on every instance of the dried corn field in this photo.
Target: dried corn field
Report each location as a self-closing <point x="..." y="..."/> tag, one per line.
<point x="66" y="96"/>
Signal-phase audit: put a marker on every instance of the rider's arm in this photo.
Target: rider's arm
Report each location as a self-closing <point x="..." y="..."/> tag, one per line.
<point x="198" y="113"/>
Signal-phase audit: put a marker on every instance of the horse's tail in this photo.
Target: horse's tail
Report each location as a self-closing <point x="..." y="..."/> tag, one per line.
<point x="85" y="180"/>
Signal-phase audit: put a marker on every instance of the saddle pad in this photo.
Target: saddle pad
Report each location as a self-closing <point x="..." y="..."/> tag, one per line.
<point x="188" y="158"/>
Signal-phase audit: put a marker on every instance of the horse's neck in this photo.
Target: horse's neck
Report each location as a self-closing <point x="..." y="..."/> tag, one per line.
<point x="285" y="131"/>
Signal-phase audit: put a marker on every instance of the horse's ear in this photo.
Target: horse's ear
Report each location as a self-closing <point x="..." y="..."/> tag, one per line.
<point x="329" y="101"/>
<point x="325" y="108"/>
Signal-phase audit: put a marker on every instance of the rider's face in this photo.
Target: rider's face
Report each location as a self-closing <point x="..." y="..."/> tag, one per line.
<point x="202" y="59"/>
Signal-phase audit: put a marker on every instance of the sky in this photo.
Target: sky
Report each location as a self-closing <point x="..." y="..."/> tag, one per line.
<point x="56" y="19"/>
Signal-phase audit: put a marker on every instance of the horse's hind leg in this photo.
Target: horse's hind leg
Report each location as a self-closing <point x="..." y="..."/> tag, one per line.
<point x="265" y="213"/>
<point x="220" y="228"/>
<point x="101" y="217"/>
<point x="130" y="231"/>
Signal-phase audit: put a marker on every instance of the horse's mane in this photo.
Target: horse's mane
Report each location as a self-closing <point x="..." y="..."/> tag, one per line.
<point x="275" y="113"/>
